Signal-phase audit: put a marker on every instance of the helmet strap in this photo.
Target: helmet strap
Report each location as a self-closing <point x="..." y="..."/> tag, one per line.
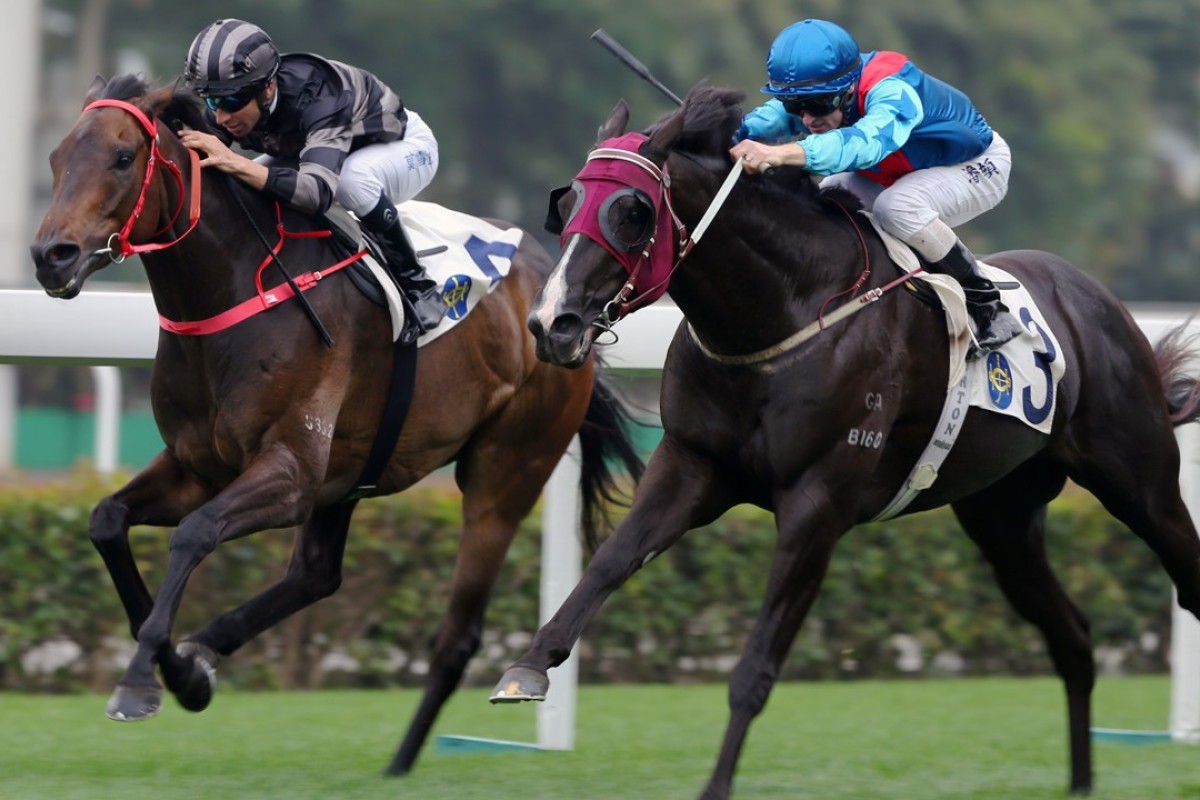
<point x="849" y="104"/>
<point x="265" y="106"/>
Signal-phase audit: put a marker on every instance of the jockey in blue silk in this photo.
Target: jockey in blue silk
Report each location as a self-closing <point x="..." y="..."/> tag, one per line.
<point x="327" y="131"/>
<point x="914" y="149"/>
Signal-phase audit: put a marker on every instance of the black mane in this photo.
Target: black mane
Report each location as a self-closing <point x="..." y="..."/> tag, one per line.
<point x="187" y="111"/>
<point x="711" y="117"/>
<point x="125" y="87"/>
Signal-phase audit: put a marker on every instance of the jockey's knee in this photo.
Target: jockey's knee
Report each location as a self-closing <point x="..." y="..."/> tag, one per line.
<point x="933" y="241"/>
<point x="903" y="214"/>
<point x="358" y="189"/>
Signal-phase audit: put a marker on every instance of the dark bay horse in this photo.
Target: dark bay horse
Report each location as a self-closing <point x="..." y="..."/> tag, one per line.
<point x="824" y="432"/>
<point x="266" y="426"/>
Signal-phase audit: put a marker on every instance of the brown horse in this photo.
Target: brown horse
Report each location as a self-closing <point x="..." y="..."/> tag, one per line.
<point x="266" y="426"/>
<point x="823" y="426"/>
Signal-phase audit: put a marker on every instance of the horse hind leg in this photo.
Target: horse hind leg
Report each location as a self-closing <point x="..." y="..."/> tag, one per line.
<point x="1007" y="522"/>
<point x="500" y="482"/>
<point x="1139" y="485"/>
<point x="481" y="555"/>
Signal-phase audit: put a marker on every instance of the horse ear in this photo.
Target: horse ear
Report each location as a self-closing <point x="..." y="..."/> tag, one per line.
<point x="94" y="91"/>
<point x="156" y="101"/>
<point x="616" y="123"/>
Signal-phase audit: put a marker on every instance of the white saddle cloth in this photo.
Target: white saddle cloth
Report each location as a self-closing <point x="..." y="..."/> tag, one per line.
<point x="1019" y="380"/>
<point x="470" y="257"/>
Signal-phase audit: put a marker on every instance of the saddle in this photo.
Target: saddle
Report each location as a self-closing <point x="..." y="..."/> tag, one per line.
<point x="376" y="284"/>
<point x="466" y="256"/>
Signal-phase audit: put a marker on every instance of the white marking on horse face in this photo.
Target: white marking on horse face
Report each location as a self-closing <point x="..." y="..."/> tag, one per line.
<point x="554" y="293"/>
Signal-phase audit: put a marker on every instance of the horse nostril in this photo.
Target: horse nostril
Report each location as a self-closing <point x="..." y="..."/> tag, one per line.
<point x="55" y="255"/>
<point x="566" y="326"/>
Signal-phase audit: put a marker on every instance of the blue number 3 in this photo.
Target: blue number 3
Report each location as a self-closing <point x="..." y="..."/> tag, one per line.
<point x="1034" y="413"/>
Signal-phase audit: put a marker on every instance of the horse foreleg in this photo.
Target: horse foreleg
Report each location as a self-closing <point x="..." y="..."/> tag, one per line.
<point x="678" y="492"/>
<point x="314" y="572"/>
<point x="809" y="526"/>
<point x="1011" y="535"/>
<point x="158" y="495"/>
<point x="271" y="493"/>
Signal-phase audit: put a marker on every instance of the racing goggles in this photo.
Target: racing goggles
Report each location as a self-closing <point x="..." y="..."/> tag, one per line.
<point x="232" y="103"/>
<point x="818" y="105"/>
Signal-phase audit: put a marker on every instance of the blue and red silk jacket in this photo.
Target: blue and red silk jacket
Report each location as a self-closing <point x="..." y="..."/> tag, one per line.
<point x="889" y="136"/>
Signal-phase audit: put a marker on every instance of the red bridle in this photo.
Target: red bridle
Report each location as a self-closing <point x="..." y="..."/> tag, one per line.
<point x="119" y="247"/>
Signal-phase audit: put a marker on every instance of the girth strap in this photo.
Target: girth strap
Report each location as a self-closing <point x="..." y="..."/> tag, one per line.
<point x="395" y="410"/>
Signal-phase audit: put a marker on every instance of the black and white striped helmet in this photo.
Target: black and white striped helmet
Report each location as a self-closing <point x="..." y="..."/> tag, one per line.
<point x="228" y="57"/>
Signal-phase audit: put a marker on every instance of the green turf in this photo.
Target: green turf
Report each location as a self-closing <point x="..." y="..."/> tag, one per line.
<point x="928" y="740"/>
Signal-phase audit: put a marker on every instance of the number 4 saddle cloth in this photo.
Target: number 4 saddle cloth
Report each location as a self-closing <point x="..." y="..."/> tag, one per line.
<point x="466" y="255"/>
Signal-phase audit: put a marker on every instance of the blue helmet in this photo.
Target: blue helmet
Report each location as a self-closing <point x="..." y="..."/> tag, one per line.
<point x="812" y="57"/>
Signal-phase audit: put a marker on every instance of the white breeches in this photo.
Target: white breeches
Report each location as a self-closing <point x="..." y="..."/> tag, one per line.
<point x="397" y="169"/>
<point x="919" y="206"/>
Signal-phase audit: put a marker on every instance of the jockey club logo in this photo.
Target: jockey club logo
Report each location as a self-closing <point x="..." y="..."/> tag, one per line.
<point x="455" y="292"/>
<point x="1000" y="380"/>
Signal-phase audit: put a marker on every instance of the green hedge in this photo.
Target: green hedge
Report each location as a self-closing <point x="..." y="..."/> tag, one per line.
<point x="684" y="617"/>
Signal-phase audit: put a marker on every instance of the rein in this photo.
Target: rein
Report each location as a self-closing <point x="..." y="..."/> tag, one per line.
<point x="119" y="247"/>
<point x="804" y="334"/>
<point x="265" y="298"/>
<point x="823" y="320"/>
<point x="621" y="305"/>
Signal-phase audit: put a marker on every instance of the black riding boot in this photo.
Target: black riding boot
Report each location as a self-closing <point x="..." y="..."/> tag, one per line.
<point x="422" y="292"/>
<point x="994" y="325"/>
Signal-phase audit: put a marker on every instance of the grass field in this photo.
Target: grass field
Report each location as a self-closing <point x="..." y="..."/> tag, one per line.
<point x="927" y="740"/>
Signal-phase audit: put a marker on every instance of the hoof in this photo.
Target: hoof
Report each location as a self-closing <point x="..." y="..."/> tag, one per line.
<point x="520" y="683"/>
<point x="201" y="684"/>
<point x="134" y="703"/>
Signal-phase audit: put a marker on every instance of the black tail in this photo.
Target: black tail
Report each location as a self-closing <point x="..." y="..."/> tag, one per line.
<point x="604" y="441"/>
<point x="1175" y="352"/>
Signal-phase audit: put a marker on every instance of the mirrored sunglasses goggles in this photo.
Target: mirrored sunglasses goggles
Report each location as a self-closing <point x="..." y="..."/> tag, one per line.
<point x="818" y="105"/>
<point x="232" y="103"/>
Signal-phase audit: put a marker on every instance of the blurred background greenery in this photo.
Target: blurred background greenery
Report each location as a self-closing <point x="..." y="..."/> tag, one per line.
<point x="1098" y="98"/>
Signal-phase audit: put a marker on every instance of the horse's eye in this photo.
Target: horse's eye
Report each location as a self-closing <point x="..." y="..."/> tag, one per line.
<point x="629" y="219"/>
<point x="124" y="159"/>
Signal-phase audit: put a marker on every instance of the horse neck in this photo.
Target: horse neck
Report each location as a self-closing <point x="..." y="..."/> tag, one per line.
<point x="758" y="274"/>
<point x="211" y="268"/>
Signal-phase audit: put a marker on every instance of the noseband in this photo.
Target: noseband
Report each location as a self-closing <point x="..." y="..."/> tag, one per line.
<point x="119" y="247"/>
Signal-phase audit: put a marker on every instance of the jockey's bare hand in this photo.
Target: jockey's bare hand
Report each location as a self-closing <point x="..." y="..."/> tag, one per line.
<point x="759" y="157"/>
<point x="217" y="154"/>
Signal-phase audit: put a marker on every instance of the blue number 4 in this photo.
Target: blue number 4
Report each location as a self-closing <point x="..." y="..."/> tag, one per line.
<point x="481" y="253"/>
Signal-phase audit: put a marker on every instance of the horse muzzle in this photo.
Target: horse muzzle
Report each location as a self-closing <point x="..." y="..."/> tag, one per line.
<point x="61" y="266"/>
<point x="567" y="343"/>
